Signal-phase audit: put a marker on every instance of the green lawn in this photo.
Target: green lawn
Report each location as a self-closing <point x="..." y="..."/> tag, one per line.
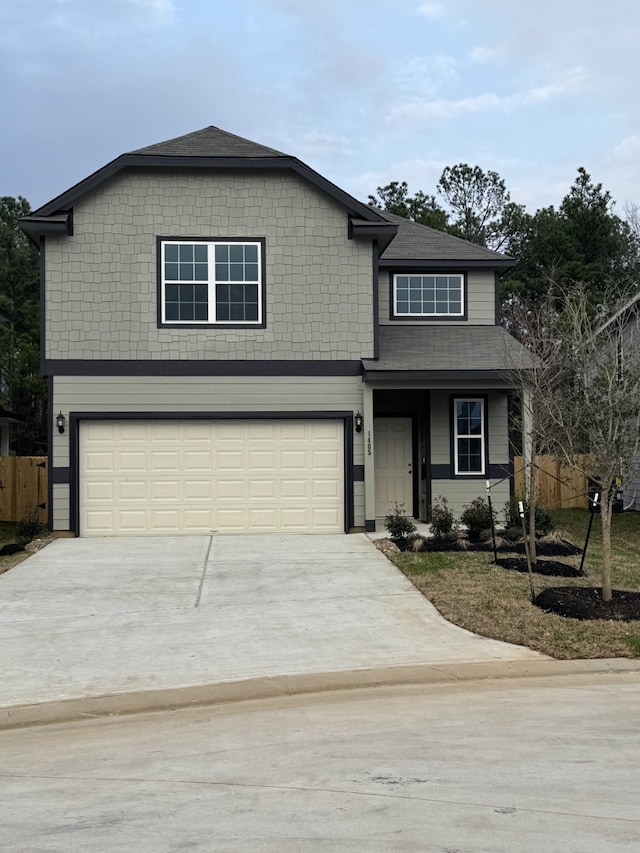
<point x="470" y="591"/>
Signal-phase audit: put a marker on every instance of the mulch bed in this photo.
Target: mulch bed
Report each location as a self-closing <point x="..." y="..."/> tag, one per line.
<point x="561" y="548"/>
<point x="542" y="567"/>
<point x="581" y="602"/>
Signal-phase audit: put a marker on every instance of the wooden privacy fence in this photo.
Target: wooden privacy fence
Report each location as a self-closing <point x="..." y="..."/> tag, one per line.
<point x="558" y="487"/>
<point x="23" y="487"/>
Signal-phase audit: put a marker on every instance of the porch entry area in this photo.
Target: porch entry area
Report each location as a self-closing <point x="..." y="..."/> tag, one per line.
<point x="400" y="429"/>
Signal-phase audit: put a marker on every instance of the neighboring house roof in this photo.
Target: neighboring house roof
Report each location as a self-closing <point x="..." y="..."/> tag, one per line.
<point x="208" y="148"/>
<point x="630" y="306"/>
<point x="447" y="352"/>
<point x="414" y="242"/>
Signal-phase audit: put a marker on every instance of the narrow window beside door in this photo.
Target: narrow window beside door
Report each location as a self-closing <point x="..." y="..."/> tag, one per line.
<point x="469" y="436"/>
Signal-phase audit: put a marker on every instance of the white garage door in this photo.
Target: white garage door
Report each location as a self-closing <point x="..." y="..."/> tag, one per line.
<point x="199" y="476"/>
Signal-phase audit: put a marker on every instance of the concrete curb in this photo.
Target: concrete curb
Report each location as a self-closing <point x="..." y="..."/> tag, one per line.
<point x="270" y="687"/>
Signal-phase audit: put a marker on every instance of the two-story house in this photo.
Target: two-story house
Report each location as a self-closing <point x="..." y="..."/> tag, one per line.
<point x="233" y="343"/>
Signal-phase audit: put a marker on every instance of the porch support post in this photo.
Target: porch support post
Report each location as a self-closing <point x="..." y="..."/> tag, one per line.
<point x="369" y="461"/>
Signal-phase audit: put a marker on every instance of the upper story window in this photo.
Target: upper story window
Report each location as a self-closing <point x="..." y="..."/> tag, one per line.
<point x="429" y="295"/>
<point x="211" y="282"/>
<point x="469" y="436"/>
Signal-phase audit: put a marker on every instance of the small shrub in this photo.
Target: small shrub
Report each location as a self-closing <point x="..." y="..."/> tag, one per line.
<point x="29" y="527"/>
<point x="544" y="522"/>
<point x="477" y="518"/>
<point x="398" y="525"/>
<point x="443" y="524"/>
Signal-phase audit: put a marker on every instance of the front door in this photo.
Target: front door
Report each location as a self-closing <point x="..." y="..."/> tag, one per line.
<point x="394" y="464"/>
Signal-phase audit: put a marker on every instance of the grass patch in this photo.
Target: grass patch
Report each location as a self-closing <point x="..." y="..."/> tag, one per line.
<point x="8" y="536"/>
<point x="470" y="591"/>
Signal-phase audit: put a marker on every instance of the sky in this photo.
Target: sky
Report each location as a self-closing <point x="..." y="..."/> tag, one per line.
<point x="363" y="91"/>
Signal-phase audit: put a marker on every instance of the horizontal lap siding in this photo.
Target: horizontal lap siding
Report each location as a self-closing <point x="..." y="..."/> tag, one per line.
<point x="157" y="394"/>
<point x="459" y="490"/>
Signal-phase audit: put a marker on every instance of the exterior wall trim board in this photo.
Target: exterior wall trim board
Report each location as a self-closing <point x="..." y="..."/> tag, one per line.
<point x="75" y="418"/>
<point x="187" y="239"/>
<point x="456" y="264"/>
<point x="199" y="367"/>
<point x="433" y="375"/>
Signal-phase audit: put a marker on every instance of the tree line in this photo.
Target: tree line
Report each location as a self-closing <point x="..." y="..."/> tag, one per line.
<point x="23" y="390"/>
<point x="582" y="240"/>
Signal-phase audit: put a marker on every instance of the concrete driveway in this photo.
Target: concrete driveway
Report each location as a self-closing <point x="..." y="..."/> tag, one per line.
<point x="142" y="617"/>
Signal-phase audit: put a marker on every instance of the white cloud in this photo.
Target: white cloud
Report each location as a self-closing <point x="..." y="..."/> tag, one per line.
<point x="573" y="81"/>
<point x="447" y="109"/>
<point x="487" y="54"/>
<point x="431" y="10"/>
<point x="570" y="82"/>
<point x="426" y="74"/>
<point x="162" y="12"/>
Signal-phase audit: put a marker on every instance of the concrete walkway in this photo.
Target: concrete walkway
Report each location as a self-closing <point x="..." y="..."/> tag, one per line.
<point x="101" y="625"/>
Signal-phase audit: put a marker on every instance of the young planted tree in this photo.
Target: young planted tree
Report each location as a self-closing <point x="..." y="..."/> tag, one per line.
<point x="589" y="403"/>
<point x="533" y="371"/>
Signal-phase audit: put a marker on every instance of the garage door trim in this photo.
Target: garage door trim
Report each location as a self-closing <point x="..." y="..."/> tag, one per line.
<point x="75" y="419"/>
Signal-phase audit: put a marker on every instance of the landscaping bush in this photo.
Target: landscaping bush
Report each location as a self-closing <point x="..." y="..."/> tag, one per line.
<point x="477" y="518"/>
<point x="29" y="527"/>
<point x="544" y="522"/>
<point x="399" y="526"/>
<point x="443" y="524"/>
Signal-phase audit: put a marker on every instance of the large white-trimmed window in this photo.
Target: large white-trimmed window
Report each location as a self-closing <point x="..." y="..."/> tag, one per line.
<point x="469" y="436"/>
<point x="217" y="282"/>
<point x="431" y="295"/>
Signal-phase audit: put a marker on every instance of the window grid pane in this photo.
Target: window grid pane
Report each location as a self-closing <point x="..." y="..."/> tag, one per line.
<point x="426" y="295"/>
<point x="197" y="274"/>
<point x="469" y="436"/>
<point x="237" y="279"/>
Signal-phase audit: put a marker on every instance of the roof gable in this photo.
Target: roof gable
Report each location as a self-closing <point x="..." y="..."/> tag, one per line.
<point x="208" y="148"/>
<point x="209" y="142"/>
<point x="415" y="243"/>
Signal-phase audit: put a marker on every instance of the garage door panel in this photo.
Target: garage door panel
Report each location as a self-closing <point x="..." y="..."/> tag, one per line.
<point x="96" y="461"/>
<point x="198" y="490"/>
<point x="128" y="461"/>
<point x="133" y="490"/>
<point x="196" y="460"/>
<point x="294" y="460"/>
<point x="230" y="489"/>
<point x="325" y="490"/>
<point x="230" y="460"/>
<point x="262" y="490"/>
<point x="142" y="477"/>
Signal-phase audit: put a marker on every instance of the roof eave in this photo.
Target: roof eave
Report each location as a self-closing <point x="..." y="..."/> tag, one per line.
<point x="506" y="375"/>
<point x="38" y="226"/>
<point x="384" y="232"/>
<point x="452" y="264"/>
<point x="69" y="197"/>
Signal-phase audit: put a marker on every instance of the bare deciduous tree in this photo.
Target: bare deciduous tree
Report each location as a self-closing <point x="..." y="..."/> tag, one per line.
<point x="584" y="400"/>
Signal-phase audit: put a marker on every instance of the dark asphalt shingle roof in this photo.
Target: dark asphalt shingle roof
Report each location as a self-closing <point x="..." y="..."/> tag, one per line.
<point x="209" y="142"/>
<point x="448" y="348"/>
<point x="418" y="242"/>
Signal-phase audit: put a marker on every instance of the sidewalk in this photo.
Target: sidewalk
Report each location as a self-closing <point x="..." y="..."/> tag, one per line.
<point x="93" y="626"/>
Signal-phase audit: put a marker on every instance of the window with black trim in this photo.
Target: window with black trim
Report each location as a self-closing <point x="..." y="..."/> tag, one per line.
<point x="469" y="436"/>
<point x="213" y="282"/>
<point x="432" y="295"/>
